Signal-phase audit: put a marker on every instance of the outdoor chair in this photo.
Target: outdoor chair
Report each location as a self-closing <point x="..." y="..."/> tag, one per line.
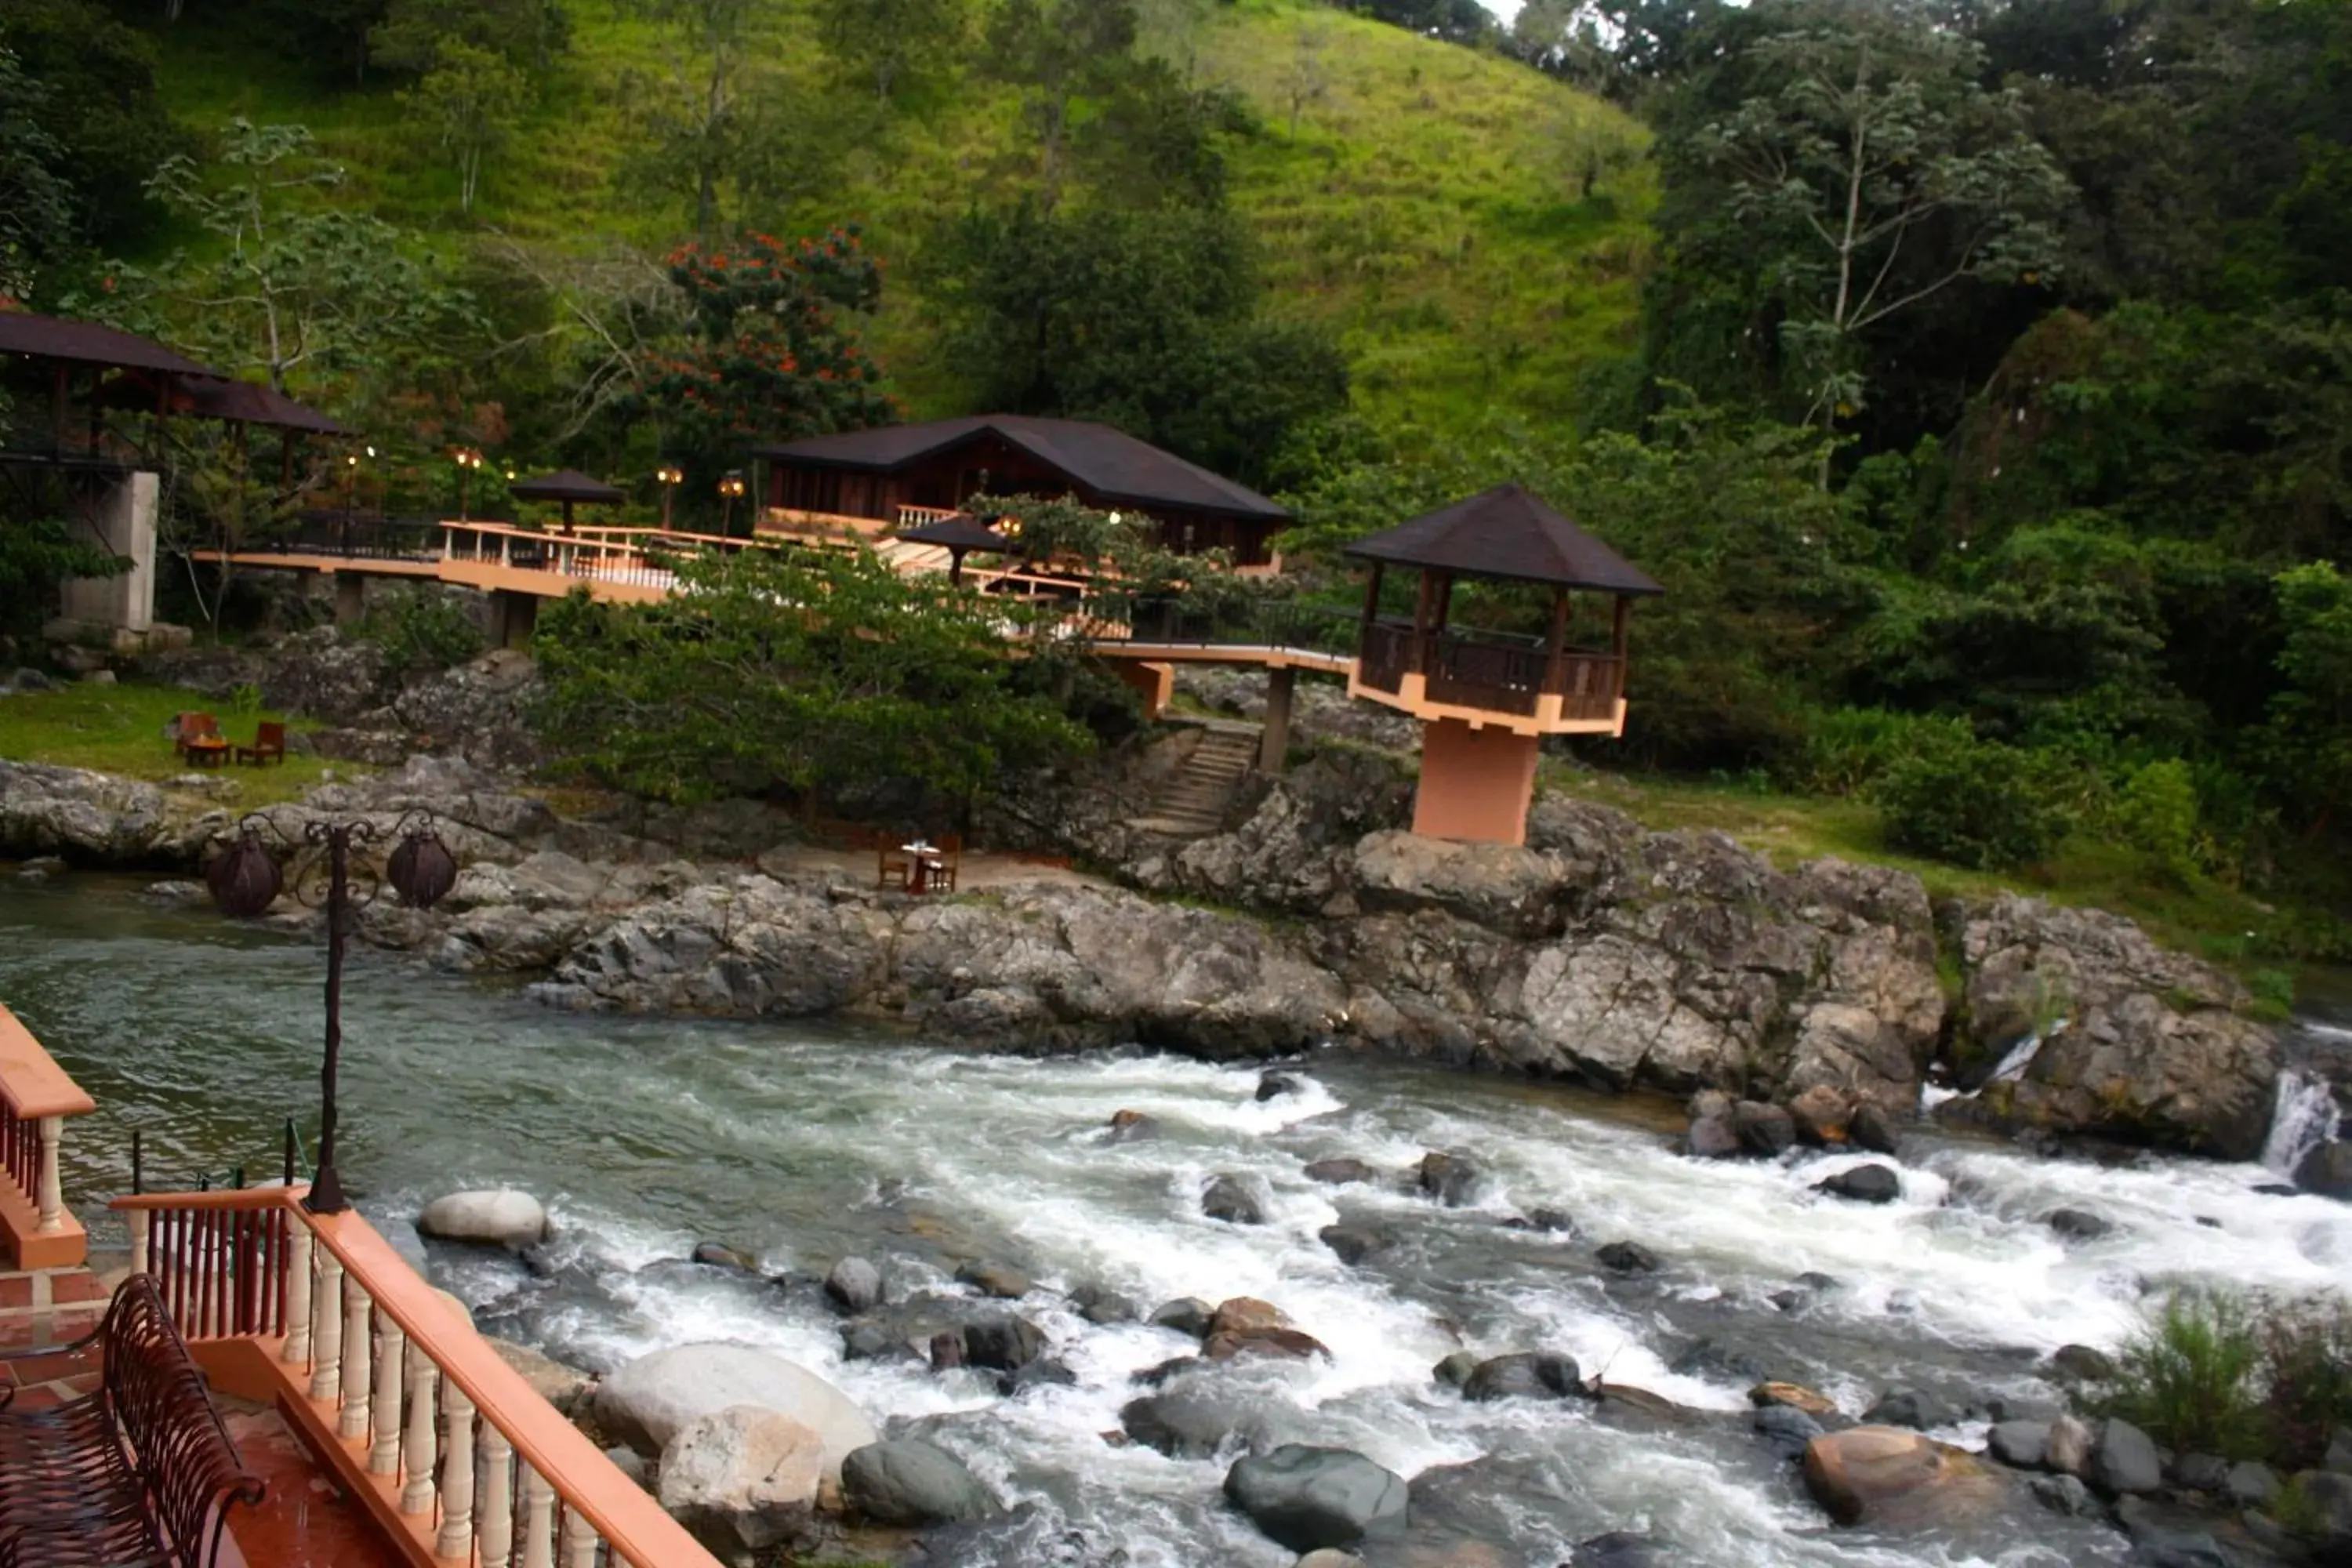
<point x="895" y="867"/>
<point x="268" y="740"/>
<point x="193" y="726"/>
<point x="946" y="864"/>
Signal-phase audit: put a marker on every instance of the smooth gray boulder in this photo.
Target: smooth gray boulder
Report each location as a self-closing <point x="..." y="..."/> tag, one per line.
<point x="649" y="1402"/>
<point x="741" y="1480"/>
<point x="854" y="1286"/>
<point x="909" y="1482"/>
<point x="493" y="1218"/>
<point x="2124" y="1461"/>
<point x="1232" y="1200"/>
<point x="1528" y="1374"/>
<point x="1627" y="1257"/>
<point x="1191" y="1424"/>
<point x="1309" y="1498"/>
<point x="1864" y="1184"/>
<point x="1339" y="1172"/>
<point x="2020" y="1444"/>
<point x="1002" y="1345"/>
<point x="1452" y="1179"/>
<point x="1186" y="1315"/>
<point x="2068" y="1447"/>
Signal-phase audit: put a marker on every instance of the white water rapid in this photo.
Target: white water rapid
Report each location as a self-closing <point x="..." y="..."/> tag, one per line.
<point x="2305" y="1117"/>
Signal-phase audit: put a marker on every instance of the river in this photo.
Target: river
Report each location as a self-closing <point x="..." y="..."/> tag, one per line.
<point x="805" y="1143"/>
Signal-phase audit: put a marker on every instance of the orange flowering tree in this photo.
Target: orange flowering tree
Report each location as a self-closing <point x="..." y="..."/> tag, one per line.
<point x="772" y="354"/>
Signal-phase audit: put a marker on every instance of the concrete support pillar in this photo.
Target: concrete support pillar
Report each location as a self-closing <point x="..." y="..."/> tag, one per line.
<point x="1155" y="683"/>
<point x="1475" y="784"/>
<point x="350" y="598"/>
<point x="1273" y="745"/>
<point x="123" y="515"/>
<point x="514" y="616"/>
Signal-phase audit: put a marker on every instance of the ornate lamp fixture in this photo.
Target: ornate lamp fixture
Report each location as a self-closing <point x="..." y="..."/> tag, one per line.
<point x="671" y="476"/>
<point x="246" y="879"/>
<point x="467" y="459"/>
<point x="730" y="489"/>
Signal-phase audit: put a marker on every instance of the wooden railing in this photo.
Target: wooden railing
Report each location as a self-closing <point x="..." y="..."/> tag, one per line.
<point x="35" y="1096"/>
<point x="1491" y="672"/>
<point x="443" y="1441"/>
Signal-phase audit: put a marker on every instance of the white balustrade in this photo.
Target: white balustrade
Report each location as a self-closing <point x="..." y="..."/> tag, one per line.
<point x="384" y="1457"/>
<point x="52" y="1201"/>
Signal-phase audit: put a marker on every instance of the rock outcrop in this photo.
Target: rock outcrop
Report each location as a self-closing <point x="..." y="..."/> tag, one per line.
<point x="653" y="1398"/>
<point x="743" y="1479"/>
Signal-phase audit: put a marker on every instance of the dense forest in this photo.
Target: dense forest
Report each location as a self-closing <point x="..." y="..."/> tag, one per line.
<point x="1978" y="377"/>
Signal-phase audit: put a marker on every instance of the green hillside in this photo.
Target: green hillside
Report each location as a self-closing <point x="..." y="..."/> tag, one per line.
<point x="1430" y="208"/>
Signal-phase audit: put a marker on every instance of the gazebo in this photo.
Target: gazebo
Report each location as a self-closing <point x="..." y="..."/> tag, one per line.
<point x="959" y="535"/>
<point x="570" y="488"/>
<point x="1486" y="699"/>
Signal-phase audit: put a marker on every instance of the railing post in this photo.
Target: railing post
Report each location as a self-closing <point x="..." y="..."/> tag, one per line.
<point x="357" y="1311"/>
<point x="298" y="1291"/>
<point x="498" y="1498"/>
<point x="140" y="1221"/>
<point x="578" y="1540"/>
<point x="52" y="1199"/>
<point x="327" y="1328"/>
<point x="384" y="1460"/>
<point x="538" y="1519"/>
<point x="423" y="1381"/>
<point x="457" y="1537"/>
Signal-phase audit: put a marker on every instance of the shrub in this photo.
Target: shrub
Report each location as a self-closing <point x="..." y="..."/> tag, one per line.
<point x="2192" y="1379"/>
<point x="1848" y="750"/>
<point x="427" y="630"/>
<point x="2306" y="1350"/>
<point x="1969" y="802"/>
<point x="2156" y="812"/>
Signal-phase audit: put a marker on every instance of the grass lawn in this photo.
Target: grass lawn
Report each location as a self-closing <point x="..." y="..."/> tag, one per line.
<point x="2206" y="917"/>
<point x="119" y="730"/>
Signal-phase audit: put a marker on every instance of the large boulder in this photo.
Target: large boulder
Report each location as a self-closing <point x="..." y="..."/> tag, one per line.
<point x="2157" y="1046"/>
<point x="496" y="1217"/>
<point x="1890" y="1478"/>
<point x="2123" y="1461"/>
<point x="1308" y="1499"/>
<point x="560" y="1385"/>
<point x="2327" y="1171"/>
<point x="1191" y="1423"/>
<point x="95" y="818"/>
<point x="910" y="1482"/>
<point x="1528" y="1374"/>
<point x="647" y="1402"/>
<point x="743" y="1479"/>
<point x="1502" y="887"/>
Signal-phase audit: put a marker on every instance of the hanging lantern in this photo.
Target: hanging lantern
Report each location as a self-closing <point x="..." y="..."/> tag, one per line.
<point x="421" y="870"/>
<point x="245" y="880"/>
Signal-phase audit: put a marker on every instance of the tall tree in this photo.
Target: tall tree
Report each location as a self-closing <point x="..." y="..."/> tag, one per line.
<point x="36" y="199"/>
<point x="85" y="85"/>
<point x="1057" y="51"/>
<point x="694" y="122"/>
<point x="527" y="34"/>
<point x="469" y="102"/>
<point x="892" y="41"/>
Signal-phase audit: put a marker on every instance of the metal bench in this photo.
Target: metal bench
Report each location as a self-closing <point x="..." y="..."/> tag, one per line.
<point x="140" y="1474"/>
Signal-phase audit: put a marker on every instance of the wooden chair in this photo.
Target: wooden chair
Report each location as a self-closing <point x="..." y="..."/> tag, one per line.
<point x="268" y="740"/>
<point x="942" y="878"/>
<point x="895" y="867"/>
<point x="193" y="725"/>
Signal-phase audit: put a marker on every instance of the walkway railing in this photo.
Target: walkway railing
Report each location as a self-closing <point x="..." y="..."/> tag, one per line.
<point x="35" y="1096"/>
<point x="437" y="1435"/>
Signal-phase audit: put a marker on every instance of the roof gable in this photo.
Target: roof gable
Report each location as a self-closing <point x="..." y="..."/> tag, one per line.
<point x="1510" y="532"/>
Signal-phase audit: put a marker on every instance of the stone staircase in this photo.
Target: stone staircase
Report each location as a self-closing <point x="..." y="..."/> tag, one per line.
<point x="1191" y="802"/>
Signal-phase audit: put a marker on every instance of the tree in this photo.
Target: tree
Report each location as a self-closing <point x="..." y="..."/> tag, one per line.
<point x="36" y="199"/>
<point x="892" y="41"/>
<point x="2307" y="744"/>
<point x="1057" y="51"/>
<point x="1869" y="174"/>
<point x="1304" y="79"/>
<point x="693" y="125"/>
<point x="85" y="83"/>
<point x="527" y="35"/>
<point x="802" y="674"/>
<point x="469" y="100"/>
<point x="1146" y="319"/>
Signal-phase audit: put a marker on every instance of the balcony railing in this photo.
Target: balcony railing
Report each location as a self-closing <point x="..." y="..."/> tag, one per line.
<point x="35" y="1098"/>
<point x="435" y="1435"/>
<point x="1489" y="670"/>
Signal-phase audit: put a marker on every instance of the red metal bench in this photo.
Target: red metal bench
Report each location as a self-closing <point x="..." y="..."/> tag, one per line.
<point x="141" y="1472"/>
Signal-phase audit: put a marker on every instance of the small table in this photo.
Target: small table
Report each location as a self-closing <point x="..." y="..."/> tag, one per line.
<point x="924" y="859"/>
<point x="206" y="750"/>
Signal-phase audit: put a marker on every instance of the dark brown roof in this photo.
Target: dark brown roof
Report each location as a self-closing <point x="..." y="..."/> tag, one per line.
<point x="961" y="531"/>
<point x="86" y="343"/>
<point x="1506" y="531"/>
<point x="568" y="485"/>
<point x="1113" y="464"/>
<point x="210" y="397"/>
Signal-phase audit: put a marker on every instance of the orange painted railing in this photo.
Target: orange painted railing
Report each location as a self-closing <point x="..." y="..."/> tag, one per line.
<point x="453" y="1453"/>
<point x="35" y="1096"/>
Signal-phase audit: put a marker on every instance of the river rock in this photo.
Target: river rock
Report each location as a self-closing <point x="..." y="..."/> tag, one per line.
<point x="1872" y="1128"/>
<point x="1288" y="1342"/>
<point x="1231" y="1199"/>
<point x="1527" y="1374"/>
<point x="502" y="1217"/>
<point x="97" y="819"/>
<point x="909" y="1482"/>
<point x="1191" y="1424"/>
<point x="1894" y="1479"/>
<point x="717" y="1255"/>
<point x="1910" y="1407"/>
<point x="1627" y="1257"/>
<point x="1003" y="1345"/>
<point x="1618" y="1549"/>
<point x="1102" y="1306"/>
<point x="994" y="1280"/>
<point x="647" y="1402"/>
<point x="1766" y="1129"/>
<point x="1452" y="1179"/>
<point x="1454" y="1370"/>
<point x="2082" y="1364"/>
<point x="1308" y="1499"/>
<point x="1353" y="1243"/>
<point x="741" y="1480"/>
<point x="1340" y="1173"/>
<point x="2201" y="1472"/>
<point x="565" y="1387"/>
<point x="854" y="1286"/>
<point x="1272" y="1084"/>
<point x="1821" y="1114"/>
<point x="2078" y="1225"/>
<point x="2250" y="1483"/>
<point x="1711" y="1138"/>
<point x="1785" y="1429"/>
<point x="2327" y="1171"/>
<point x="1132" y="1127"/>
<point x="1864" y="1185"/>
<point x="2067" y="1450"/>
<point x="2327" y="1497"/>
<point x="2067" y="1495"/>
<point x="1329" y="1557"/>
<point x="2159" y="1046"/>
<point x="1186" y="1315"/>
<point x="1796" y="1396"/>
<point x="2123" y="1460"/>
<point x="2020" y="1444"/>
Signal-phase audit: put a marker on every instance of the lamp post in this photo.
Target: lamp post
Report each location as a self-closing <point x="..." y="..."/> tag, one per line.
<point x="468" y="460"/>
<point x="671" y="476"/>
<point x="246" y="879"/>
<point x="730" y="489"/>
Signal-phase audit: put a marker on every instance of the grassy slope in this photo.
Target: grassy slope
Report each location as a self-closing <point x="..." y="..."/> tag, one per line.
<point x="119" y="730"/>
<point x="1426" y="208"/>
